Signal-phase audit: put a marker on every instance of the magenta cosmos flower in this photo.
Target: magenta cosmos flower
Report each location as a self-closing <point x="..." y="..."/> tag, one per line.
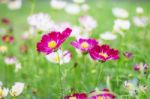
<point x="105" y="94"/>
<point x="76" y="96"/>
<point x="104" y="53"/>
<point x="8" y="39"/>
<point x="85" y="45"/>
<point x="51" y="42"/>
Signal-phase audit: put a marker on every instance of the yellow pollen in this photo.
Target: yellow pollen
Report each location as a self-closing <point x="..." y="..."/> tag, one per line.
<point x="72" y="98"/>
<point x="84" y="45"/>
<point x="103" y="54"/>
<point x="1" y="92"/>
<point x="7" y="39"/>
<point x="52" y="44"/>
<point x="100" y="97"/>
<point x="56" y="59"/>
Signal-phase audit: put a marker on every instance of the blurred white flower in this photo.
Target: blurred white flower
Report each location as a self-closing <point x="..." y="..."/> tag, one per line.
<point x="3" y="49"/>
<point x="1" y="83"/>
<point x="60" y="57"/>
<point x="85" y="7"/>
<point x="140" y="21"/>
<point x="88" y="22"/>
<point x="76" y="31"/>
<point x="14" y="4"/>
<point x="120" y="13"/>
<point x="72" y="9"/>
<point x="121" y="25"/>
<point x="139" y="10"/>
<point x="60" y="26"/>
<point x="108" y="36"/>
<point x="2" y="30"/>
<point x="57" y="4"/>
<point x="3" y="92"/>
<point x="10" y="60"/>
<point x="17" y="89"/>
<point x="40" y="22"/>
<point x="17" y="67"/>
<point x="79" y="1"/>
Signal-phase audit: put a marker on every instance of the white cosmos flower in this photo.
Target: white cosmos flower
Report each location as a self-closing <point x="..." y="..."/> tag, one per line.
<point x="3" y="92"/>
<point x="72" y="9"/>
<point x="14" y="4"/>
<point x="76" y="31"/>
<point x="3" y="49"/>
<point x="121" y="25"/>
<point x="10" y="60"/>
<point x="108" y="36"/>
<point x="88" y="22"/>
<point x="140" y="21"/>
<point x="17" y="89"/>
<point x="60" y="57"/>
<point x="40" y="22"/>
<point x="79" y="1"/>
<point x="139" y="10"/>
<point x="58" y="4"/>
<point x="120" y="13"/>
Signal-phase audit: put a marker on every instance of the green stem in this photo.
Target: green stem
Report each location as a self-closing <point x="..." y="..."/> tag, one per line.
<point x="32" y="7"/>
<point x="99" y="74"/>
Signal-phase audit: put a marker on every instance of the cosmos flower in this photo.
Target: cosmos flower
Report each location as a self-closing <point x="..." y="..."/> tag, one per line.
<point x="104" y="53"/>
<point x="10" y="60"/>
<point x="140" y="21"/>
<point x="8" y="38"/>
<point x="131" y="86"/>
<point x="108" y="36"/>
<point x="85" y="45"/>
<point x="5" y="21"/>
<point x="52" y="41"/>
<point x="3" y="49"/>
<point x="88" y="22"/>
<point x="40" y="22"/>
<point x="17" y="89"/>
<point x="140" y="67"/>
<point x="72" y="9"/>
<point x="105" y="94"/>
<point x="23" y="48"/>
<point x="85" y="7"/>
<point x="14" y="4"/>
<point x="120" y="13"/>
<point x="3" y="92"/>
<point x="139" y="10"/>
<point x="76" y="96"/>
<point x="17" y="67"/>
<point x="57" y="4"/>
<point x="60" y="56"/>
<point x="128" y="55"/>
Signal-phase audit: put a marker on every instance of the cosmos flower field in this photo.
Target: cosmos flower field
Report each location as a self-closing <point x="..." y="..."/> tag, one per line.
<point x="74" y="49"/>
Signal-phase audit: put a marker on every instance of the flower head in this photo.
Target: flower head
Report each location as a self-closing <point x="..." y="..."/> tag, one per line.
<point x="76" y="96"/>
<point x="140" y="67"/>
<point x="104" y="53"/>
<point x="105" y="94"/>
<point x="10" y="60"/>
<point x="128" y="55"/>
<point x="3" y="49"/>
<point x="120" y="13"/>
<point x="51" y="42"/>
<point x="8" y="39"/>
<point x="84" y="45"/>
<point x="60" y="57"/>
<point x="3" y="92"/>
<point x="17" y="89"/>
<point x="5" y="21"/>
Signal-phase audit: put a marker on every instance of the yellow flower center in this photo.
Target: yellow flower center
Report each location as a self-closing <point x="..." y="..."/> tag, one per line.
<point x="1" y="92"/>
<point x="100" y="97"/>
<point x="7" y="39"/>
<point x="56" y="59"/>
<point x="72" y="98"/>
<point x="84" y="45"/>
<point x="103" y="54"/>
<point x="52" y="44"/>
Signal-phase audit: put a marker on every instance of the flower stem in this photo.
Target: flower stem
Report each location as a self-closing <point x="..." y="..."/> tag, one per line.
<point x="99" y="73"/>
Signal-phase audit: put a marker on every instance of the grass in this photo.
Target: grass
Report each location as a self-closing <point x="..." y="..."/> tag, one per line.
<point x="41" y="76"/>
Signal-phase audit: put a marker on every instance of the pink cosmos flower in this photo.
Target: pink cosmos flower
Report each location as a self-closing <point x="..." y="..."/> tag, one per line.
<point x="140" y="67"/>
<point x="5" y="21"/>
<point x="104" y="53"/>
<point x="105" y="94"/>
<point x="51" y="42"/>
<point x="76" y="96"/>
<point x="128" y="55"/>
<point x="8" y="39"/>
<point x="85" y="45"/>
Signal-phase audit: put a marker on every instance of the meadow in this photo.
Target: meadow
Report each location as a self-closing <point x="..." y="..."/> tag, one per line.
<point x="47" y="80"/>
